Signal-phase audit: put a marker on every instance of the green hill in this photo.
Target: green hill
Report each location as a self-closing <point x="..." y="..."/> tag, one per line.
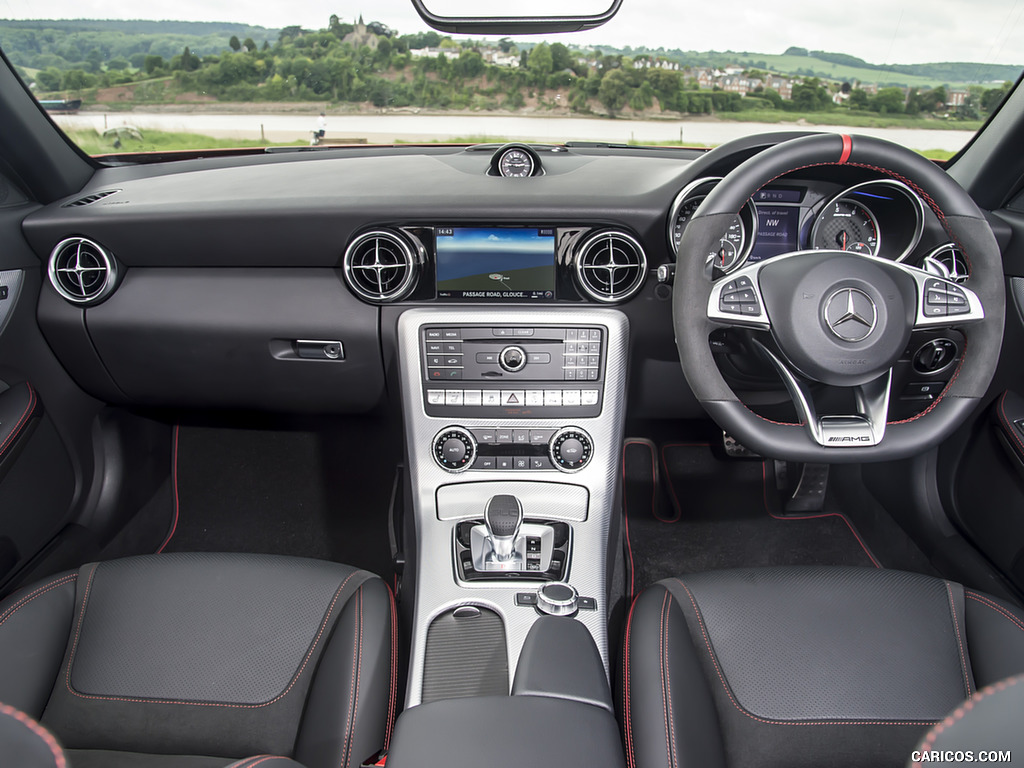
<point x="839" y="66"/>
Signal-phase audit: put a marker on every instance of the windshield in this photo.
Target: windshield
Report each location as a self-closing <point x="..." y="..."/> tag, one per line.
<point x="227" y="73"/>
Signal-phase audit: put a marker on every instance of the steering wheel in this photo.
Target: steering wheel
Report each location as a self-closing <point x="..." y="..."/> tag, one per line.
<point x="835" y="317"/>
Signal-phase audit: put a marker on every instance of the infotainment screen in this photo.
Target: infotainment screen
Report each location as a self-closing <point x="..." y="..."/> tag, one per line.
<point x="777" y="230"/>
<point x="505" y="263"/>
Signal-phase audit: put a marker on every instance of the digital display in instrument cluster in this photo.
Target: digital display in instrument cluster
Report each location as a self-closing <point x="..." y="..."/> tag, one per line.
<point x="778" y="228"/>
<point x="505" y="263"/>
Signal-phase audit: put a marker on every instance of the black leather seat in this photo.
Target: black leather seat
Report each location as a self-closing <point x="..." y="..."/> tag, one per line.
<point x="805" y="666"/>
<point x="199" y="660"/>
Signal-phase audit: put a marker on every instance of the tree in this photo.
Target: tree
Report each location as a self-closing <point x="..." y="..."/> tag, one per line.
<point x="49" y="78"/>
<point x="249" y="44"/>
<point x="614" y="91"/>
<point x="993" y="97"/>
<point x="889" y="101"/>
<point x="859" y="99"/>
<point x="560" y="57"/>
<point x="540" y="62"/>
<point x="771" y="95"/>
<point x="152" y="63"/>
<point x="811" y="96"/>
<point x="235" y="43"/>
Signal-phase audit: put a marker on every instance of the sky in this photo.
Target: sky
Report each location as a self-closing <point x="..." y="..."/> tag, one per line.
<point x="878" y="31"/>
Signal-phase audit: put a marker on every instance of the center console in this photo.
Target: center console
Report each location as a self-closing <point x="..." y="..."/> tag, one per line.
<point x="513" y="419"/>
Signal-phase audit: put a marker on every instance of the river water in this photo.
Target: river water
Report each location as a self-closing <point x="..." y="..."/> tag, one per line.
<point x="389" y="128"/>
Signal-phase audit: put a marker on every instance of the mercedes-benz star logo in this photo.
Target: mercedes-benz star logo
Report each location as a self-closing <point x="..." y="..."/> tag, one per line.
<point x="850" y="314"/>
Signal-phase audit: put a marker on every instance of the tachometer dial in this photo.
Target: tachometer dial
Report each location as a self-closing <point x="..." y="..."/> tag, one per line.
<point x="516" y="163"/>
<point x="846" y="225"/>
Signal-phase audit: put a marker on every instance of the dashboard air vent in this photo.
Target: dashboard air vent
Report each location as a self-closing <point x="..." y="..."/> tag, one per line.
<point x="82" y="271"/>
<point x="610" y="266"/>
<point x="380" y="266"/>
<point x="89" y="199"/>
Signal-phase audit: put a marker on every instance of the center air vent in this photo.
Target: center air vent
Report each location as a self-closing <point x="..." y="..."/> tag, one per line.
<point x="81" y="271"/>
<point x="610" y="266"/>
<point x="380" y="266"/>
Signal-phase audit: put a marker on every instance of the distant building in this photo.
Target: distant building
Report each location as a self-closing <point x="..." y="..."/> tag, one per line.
<point x="425" y="53"/>
<point x="956" y="97"/>
<point x="499" y="59"/>
<point x="361" y="36"/>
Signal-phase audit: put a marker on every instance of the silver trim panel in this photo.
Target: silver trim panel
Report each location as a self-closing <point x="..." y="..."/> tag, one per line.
<point x="593" y="488"/>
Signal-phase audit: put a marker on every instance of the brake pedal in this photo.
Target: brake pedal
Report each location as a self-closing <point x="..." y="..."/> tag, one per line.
<point x="734" y="449"/>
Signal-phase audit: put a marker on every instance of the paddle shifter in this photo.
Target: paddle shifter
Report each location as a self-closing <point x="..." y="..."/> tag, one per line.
<point x="503" y="517"/>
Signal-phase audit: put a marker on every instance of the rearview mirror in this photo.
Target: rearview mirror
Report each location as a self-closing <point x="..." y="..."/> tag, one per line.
<point x="446" y="17"/>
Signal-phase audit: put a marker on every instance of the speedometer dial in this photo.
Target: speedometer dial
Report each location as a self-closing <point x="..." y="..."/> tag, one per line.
<point x="731" y="248"/>
<point x="846" y="225"/>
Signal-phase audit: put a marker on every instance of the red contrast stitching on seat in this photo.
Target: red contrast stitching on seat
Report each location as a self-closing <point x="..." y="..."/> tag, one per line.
<point x="38" y="730"/>
<point x="979" y="598"/>
<point x="627" y="709"/>
<point x="661" y="662"/>
<point x="840" y="515"/>
<point x="728" y="691"/>
<point x="246" y="763"/>
<point x="668" y="686"/>
<point x="39" y="591"/>
<point x="298" y="674"/>
<point x="959" y="640"/>
<point x="357" y="664"/>
<point x="847" y="149"/>
<point x="174" y="486"/>
<point x="22" y="421"/>
<point x="393" y="684"/>
<point x="957" y="714"/>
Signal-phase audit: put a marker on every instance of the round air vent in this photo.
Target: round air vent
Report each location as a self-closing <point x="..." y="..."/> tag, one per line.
<point x="948" y="261"/>
<point x="610" y="266"/>
<point x="380" y="266"/>
<point x="82" y="271"/>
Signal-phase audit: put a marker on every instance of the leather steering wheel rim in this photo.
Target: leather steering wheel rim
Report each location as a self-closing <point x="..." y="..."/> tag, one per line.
<point x="965" y="225"/>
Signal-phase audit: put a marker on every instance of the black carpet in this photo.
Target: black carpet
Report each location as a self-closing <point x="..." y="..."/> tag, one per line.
<point x="720" y="515"/>
<point x="321" y="494"/>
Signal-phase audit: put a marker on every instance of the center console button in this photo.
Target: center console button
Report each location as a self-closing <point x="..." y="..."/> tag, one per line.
<point x="557" y="599"/>
<point x="484" y="436"/>
<point x="534" y="397"/>
<point x="491" y="397"/>
<point x="503" y="436"/>
<point x="471" y="397"/>
<point x="571" y="449"/>
<point x="454" y="449"/>
<point x="512" y="359"/>
<point x="514" y="397"/>
<point x="521" y="436"/>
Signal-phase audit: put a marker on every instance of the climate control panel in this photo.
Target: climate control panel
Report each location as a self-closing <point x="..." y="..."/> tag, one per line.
<point x="457" y="449"/>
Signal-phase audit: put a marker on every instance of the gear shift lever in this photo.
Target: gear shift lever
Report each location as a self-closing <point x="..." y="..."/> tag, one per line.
<point x="503" y="516"/>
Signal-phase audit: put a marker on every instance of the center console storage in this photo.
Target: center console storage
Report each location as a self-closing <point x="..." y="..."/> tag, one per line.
<point x="560" y="712"/>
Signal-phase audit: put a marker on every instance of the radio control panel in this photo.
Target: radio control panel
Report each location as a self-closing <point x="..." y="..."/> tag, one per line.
<point x="513" y="371"/>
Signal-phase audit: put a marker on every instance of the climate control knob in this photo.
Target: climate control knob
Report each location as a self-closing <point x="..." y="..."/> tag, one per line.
<point x="454" y="449"/>
<point x="571" y="449"/>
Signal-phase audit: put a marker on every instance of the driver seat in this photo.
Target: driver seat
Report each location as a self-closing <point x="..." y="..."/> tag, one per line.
<point x="805" y="666"/>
